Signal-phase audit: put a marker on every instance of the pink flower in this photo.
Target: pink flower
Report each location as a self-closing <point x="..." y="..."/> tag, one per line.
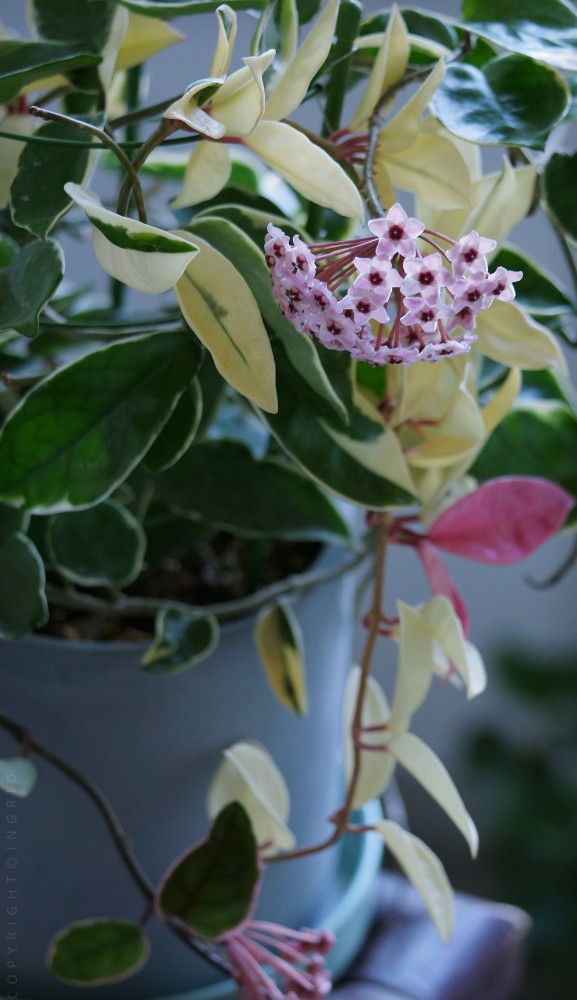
<point x="499" y="284"/>
<point x="397" y="233"/>
<point x="425" y="276"/>
<point x="469" y="253"/>
<point x="271" y="962"/>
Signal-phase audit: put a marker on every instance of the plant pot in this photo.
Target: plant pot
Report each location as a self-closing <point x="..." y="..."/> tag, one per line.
<point x="152" y="744"/>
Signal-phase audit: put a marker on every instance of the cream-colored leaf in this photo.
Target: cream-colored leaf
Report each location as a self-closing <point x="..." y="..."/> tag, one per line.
<point x="402" y="131"/>
<point x="433" y="169"/>
<point x="249" y="775"/>
<point x="239" y="104"/>
<point x="501" y="401"/>
<point x="279" y="643"/>
<point x="225" y="40"/>
<point x="311" y="171"/>
<point x="144" y="37"/>
<point x="376" y="765"/>
<point x="423" y="868"/>
<point x="510" y="336"/>
<point x="423" y="392"/>
<point x="425" y="766"/>
<point x="187" y="109"/>
<point x="446" y="441"/>
<point x="144" y="257"/>
<point x="387" y="69"/>
<point x="446" y="628"/>
<point x="109" y="53"/>
<point x="219" y="306"/>
<point x="207" y="173"/>
<point x="415" y="668"/>
<point x="502" y="200"/>
<point x="290" y="89"/>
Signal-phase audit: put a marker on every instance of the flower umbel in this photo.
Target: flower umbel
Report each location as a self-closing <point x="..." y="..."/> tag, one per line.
<point x="272" y="962"/>
<point x="434" y="298"/>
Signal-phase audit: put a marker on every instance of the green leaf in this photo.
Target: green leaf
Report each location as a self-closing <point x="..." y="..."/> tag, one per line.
<point x="58" y="20"/>
<point x="99" y="547"/>
<point x="168" y="535"/>
<point x="359" y="460"/>
<point x="27" y="283"/>
<point x="97" y="952"/>
<point x="512" y="100"/>
<point x="38" y="195"/>
<point x="23" y="604"/>
<point x="279" y="642"/>
<point x="17" y="776"/>
<point x="182" y="639"/>
<point x="544" y="31"/>
<point x="212" y="887"/>
<point x="11" y="520"/>
<point x="427" y="26"/>
<point x="536" y="438"/>
<point x="23" y="62"/>
<point x="178" y="433"/>
<point x="98" y="416"/>
<point x="174" y="8"/>
<point x="559" y="190"/>
<point x="248" y="258"/>
<point x="220" y="483"/>
<point x="537" y="292"/>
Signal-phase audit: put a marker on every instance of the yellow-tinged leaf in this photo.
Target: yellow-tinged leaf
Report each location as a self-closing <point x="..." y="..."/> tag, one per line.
<point x="144" y="37"/>
<point x="144" y="257"/>
<point x="423" y="392"/>
<point x="446" y="629"/>
<point x="291" y="87"/>
<point x="279" y="643"/>
<point x="433" y="169"/>
<point x="207" y="172"/>
<point x="219" y="306"/>
<point x="415" y="670"/>
<point x="311" y="171"/>
<point x="225" y="40"/>
<point x="440" y="443"/>
<point x="403" y="129"/>
<point x="502" y="400"/>
<point x="249" y="775"/>
<point x="239" y="103"/>
<point x="187" y="109"/>
<point x="388" y="67"/>
<point x="377" y="764"/>
<point x="417" y="758"/>
<point x="425" y="871"/>
<point x="508" y="335"/>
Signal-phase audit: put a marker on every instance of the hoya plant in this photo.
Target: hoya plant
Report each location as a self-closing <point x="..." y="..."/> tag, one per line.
<point x="297" y="296"/>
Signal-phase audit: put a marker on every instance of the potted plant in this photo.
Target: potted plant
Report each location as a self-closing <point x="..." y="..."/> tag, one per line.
<point x="287" y="369"/>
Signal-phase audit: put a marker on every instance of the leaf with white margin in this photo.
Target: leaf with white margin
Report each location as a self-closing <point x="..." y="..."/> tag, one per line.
<point x="423" y="868"/>
<point x="415" y="669"/>
<point x="501" y="402"/>
<point x="207" y="172"/>
<point x="420" y="761"/>
<point x="279" y="642"/>
<point x="145" y="36"/>
<point x="447" y="631"/>
<point x="219" y="306"/>
<point x="509" y="335"/>
<point x="291" y="88"/>
<point x="376" y="765"/>
<point x="143" y="257"/>
<point x="311" y="171"/>
<point x="249" y="775"/>
<point x="388" y="67"/>
<point x="403" y="129"/>
<point x="17" y="776"/>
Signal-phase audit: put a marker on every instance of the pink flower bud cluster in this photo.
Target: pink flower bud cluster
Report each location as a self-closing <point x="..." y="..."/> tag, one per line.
<point x="272" y="962"/>
<point x="395" y="304"/>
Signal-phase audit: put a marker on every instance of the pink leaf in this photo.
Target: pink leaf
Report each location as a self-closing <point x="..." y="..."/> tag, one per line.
<point x="503" y="520"/>
<point x="440" y="581"/>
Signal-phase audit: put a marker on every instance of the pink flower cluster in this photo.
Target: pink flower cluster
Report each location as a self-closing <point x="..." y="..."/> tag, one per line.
<point x="396" y="305"/>
<point x="272" y="962"/>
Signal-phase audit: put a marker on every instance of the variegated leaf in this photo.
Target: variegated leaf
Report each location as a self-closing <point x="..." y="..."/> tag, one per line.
<point x="279" y="642"/>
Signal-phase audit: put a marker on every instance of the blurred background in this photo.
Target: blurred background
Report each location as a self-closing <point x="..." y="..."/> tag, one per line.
<point x="513" y="751"/>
